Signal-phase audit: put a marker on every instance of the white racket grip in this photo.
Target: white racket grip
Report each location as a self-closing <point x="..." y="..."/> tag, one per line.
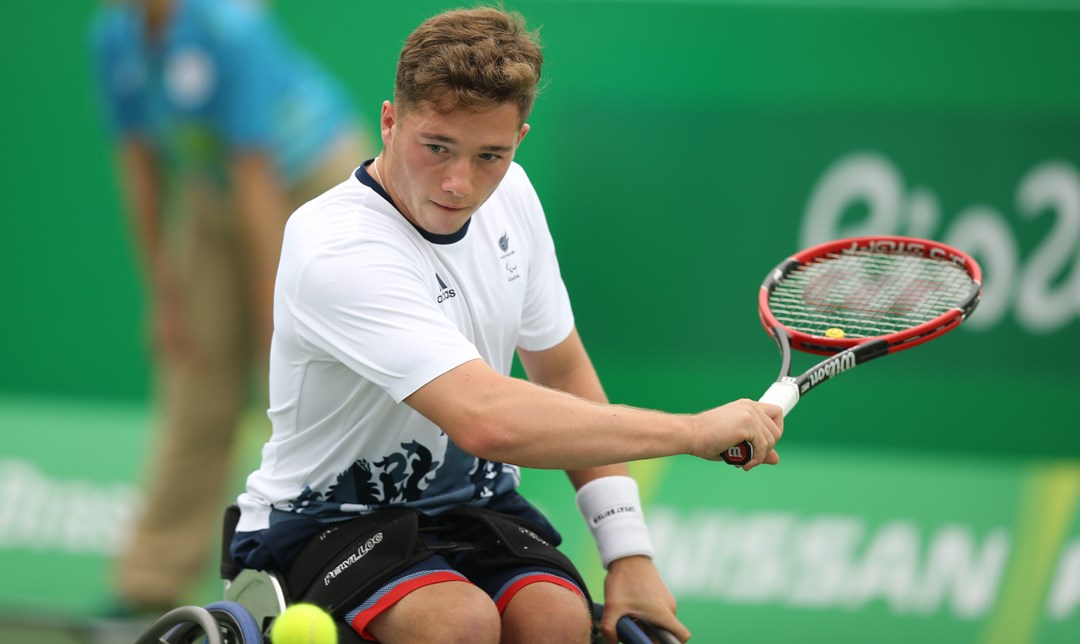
<point x="783" y="394"/>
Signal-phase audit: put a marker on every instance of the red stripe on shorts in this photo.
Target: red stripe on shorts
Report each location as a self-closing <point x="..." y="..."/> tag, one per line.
<point x="513" y="589"/>
<point x="364" y="617"/>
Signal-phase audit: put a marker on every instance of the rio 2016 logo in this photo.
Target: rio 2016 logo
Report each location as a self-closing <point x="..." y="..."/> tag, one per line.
<point x="1041" y="289"/>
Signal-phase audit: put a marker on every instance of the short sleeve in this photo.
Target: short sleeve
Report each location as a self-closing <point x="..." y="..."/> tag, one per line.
<point x="370" y="309"/>
<point x="119" y="71"/>
<point x="547" y="317"/>
<point x="250" y="71"/>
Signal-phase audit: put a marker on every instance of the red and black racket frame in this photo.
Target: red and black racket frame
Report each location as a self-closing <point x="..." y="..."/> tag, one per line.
<point x="850" y="352"/>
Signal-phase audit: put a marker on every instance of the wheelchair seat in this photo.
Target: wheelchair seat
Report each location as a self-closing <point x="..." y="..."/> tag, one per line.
<point x="262" y="593"/>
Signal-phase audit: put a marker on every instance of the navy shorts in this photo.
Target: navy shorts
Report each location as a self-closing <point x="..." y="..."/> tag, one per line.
<point x="275" y="547"/>
<point x="501" y="585"/>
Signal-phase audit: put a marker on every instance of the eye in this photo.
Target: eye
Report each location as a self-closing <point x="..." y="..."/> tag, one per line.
<point x="435" y="148"/>
<point x="489" y="156"/>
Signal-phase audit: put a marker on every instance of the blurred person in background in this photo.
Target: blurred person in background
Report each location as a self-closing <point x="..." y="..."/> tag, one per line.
<point x="222" y="127"/>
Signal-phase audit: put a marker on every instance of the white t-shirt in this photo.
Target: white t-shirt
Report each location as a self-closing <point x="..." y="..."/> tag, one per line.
<point x="367" y="309"/>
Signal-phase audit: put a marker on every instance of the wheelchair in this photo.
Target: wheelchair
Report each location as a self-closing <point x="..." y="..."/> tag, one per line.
<point x="253" y="598"/>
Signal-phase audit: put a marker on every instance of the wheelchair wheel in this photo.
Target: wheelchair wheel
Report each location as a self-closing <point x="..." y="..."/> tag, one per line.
<point x="235" y="625"/>
<point x="179" y="619"/>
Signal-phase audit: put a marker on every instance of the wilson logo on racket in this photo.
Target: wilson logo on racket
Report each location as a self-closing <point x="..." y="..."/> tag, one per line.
<point x="737" y="453"/>
<point x="833" y="366"/>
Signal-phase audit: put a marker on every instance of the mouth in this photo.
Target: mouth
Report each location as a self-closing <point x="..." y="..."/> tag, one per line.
<point x="450" y="209"/>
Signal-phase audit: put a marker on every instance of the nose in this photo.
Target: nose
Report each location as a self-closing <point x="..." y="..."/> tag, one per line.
<point x="458" y="179"/>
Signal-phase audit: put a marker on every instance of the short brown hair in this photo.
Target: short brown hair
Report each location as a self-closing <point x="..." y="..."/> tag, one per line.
<point x="472" y="58"/>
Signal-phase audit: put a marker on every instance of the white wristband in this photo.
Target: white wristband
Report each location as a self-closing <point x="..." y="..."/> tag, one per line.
<point x="612" y="507"/>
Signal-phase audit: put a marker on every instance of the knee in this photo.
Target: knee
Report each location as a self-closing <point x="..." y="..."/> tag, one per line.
<point x="474" y="622"/>
<point x="546" y="613"/>
<point x="575" y="624"/>
<point x="447" y="612"/>
<point x="567" y="627"/>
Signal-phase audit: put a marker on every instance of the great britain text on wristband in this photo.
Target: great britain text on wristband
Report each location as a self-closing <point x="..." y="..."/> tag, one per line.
<point x="612" y="512"/>
<point x="611" y="507"/>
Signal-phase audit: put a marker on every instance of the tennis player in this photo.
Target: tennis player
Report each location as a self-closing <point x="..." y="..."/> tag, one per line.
<point x="401" y="298"/>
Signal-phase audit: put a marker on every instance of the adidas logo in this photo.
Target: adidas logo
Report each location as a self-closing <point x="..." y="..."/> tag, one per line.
<point x="445" y="292"/>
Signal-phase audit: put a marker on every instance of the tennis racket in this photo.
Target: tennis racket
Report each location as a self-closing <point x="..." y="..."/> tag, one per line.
<point x="855" y="300"/>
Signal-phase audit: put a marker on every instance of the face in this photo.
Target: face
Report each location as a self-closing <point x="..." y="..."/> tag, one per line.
<point x="440" y="168"/>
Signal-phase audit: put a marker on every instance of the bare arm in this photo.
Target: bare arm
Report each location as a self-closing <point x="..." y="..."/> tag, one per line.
<point x="633" y="586"/>
<point x="567" y="367"/>
<point x="141" y="186"/>
<point x="542" y="425"/>
<point x="142" y="195"/>
<point x="263" y="210"/>
<point x="508" y="420"/>
<point x="505" y="419"/>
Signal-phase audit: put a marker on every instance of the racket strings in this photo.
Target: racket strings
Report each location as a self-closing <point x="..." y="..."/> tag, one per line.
<point x="868" y="294"/>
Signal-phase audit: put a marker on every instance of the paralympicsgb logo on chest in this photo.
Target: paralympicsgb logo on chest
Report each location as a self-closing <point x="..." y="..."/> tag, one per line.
<point x="507" y="256"/>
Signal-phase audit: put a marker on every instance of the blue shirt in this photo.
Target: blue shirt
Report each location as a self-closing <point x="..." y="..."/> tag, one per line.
<point x="222" y="77"/>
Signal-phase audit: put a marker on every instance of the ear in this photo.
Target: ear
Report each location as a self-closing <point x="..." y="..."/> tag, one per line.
<point x="387" y="120"/>
<point x="524" y="131"/>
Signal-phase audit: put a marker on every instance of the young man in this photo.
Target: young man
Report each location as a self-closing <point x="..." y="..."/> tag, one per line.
<point x="401" y="297"/>
<point x="223" y="128"/>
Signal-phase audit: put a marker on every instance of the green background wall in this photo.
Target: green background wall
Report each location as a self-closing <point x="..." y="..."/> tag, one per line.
<point x="670" y="140"/>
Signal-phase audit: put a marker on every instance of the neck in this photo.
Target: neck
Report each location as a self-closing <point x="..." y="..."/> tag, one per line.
<point x="377" y="175"/>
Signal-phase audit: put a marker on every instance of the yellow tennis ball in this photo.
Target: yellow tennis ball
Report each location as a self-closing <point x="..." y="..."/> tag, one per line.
<point x="303" y="624"/>
<point x="834" y="333"/>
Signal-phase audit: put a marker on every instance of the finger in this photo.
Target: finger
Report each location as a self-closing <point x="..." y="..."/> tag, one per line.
<point x="772" y="458"/>
<point x="675" y="627"/>
<point x="773" y="419"/>
<point x="774" y="412"/>
<point x="609" y="622"/>
<point x="776" y="424"/>
<point x="607" y="628"/>
<point x="763" y="442"/>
